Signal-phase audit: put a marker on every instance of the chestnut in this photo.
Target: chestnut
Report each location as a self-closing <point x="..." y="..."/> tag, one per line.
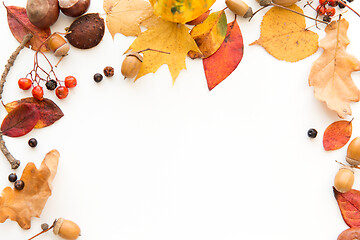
<point x="74" y="8"/>
<point x="42" y="13"/>
<point x="353" y="152"/>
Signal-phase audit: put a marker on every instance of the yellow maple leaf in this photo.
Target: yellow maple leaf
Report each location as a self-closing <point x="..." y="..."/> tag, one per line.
<point x="21" y="205"/>
<point x="173" y="38"/>
<point x="125" y="16"/>
<point x="284" y="35"/>
<point x="330" y="74"/>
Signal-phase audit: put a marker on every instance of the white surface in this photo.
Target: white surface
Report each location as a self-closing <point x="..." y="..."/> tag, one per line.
<point x="152" y="160"/>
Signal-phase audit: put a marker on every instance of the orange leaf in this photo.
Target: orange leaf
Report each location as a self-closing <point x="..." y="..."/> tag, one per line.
<point x="224" y="61"/>
<point x="199" y="19"/>
<point x="20" y="26"/>
<point x="349" y="204"/>
<point x="21" y="205"/>
<point x="337" y="135"/>
<point x="48" y="110"/>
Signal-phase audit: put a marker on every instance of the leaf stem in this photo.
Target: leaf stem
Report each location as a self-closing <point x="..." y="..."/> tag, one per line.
<point x="150" y="49"/>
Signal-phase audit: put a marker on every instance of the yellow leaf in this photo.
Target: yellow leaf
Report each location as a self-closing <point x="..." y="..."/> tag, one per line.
<point x="125" y="16"/>
<point x="180" y="11"/>
<point x="21" y="205"/>
<point x="210" y="34"/>
<point x="330" y="74"/>
<point x="284" y="35"/>
<point x="173" y="38"/>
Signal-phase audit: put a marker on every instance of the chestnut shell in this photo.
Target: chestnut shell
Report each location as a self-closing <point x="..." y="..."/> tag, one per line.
<point x="86" y="31"/>
<point x="75" y="10"/>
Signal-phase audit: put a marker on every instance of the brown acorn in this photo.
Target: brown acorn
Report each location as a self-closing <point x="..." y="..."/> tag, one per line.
<point x="131" y="65"/>
<point x="66" y="229"/>
<point x="58" y="45"/>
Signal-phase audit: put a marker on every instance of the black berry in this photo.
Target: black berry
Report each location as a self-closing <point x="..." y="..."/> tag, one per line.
<point x="327" y="18"/>
<point x="44" y="226"/>
<point x="350" y="1"/>
<point x="312" y="133"/>
<point x="98" y="77"/>
<point x="19" y="184"/>
<point x="341" y="5"/>
<point x="12" y="177"/>
<point x="32" y="142"/>
<point x="51" y="84"/>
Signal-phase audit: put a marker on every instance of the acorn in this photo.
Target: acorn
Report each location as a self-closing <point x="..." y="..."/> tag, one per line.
<point x="285" y="3"/>
<point x="58" y="45"/>
<point x="344" y="179"/>
<point x="42" y="13"/>
<point x="239" y="7"/>
<point x="353" y="152"/>
<point x="74" y="8"/>
<point x="66" y="229"/>
<point x="131" y="65"/>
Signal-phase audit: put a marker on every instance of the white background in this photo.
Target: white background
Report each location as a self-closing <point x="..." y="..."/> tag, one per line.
<point x="152" y="160"/>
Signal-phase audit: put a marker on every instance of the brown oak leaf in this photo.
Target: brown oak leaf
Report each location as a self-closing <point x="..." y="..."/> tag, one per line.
<point x="21" y="205"/>
<point x="330" y="74"/>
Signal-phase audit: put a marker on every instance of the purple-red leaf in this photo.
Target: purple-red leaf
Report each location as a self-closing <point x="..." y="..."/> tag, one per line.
<point x="225" y="60"/>
<point x="349" y="204"/>
<point x="20" y="121"/>
<point x="49" y="111"/>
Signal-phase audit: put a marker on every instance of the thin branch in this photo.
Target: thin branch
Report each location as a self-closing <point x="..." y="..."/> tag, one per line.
<point x="13" y="162"/>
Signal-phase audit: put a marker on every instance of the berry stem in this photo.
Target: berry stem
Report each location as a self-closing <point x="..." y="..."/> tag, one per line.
<point x="44" y="231"/>
<point x="343" y="3"/>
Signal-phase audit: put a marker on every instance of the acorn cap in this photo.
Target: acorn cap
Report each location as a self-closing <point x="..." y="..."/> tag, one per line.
<point x="57" y="225"/>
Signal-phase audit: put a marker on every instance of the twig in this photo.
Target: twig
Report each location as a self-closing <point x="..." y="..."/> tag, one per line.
<point x="13" y="162"/>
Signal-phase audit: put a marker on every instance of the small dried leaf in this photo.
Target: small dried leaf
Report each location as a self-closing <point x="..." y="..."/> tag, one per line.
<point x="210" y="34"/>
<point x="337" y="135"/>
<point x="349" y="204"/>
<point x="86" y="31"/>
<point x="20" y="121"/>
<point x="21" y="205"/>
<point x="284" y="35"/>
<point x="48" y="110"/>
<point x="20" y="26"/>
<point x="224" y="61"/>
<point x="330" y="74"/>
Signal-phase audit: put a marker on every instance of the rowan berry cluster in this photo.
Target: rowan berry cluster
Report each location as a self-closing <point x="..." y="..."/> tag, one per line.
<point x="326" y="8"/>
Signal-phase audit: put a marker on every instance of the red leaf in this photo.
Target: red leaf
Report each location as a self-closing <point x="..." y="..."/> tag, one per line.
<point x="225" y="60"/>
<point x="48" y="110"/>
<point x="20" y="121"/>
<point x="349" y="204"/>
<point x="337" y="135"/>
<point x="20" y="26"/>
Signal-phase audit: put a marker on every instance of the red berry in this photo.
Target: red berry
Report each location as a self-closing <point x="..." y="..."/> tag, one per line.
<point x="330" y="11"/>
<point x="62" y="92"/>
<point x="332" y="3"/>
<point x="38" y="93"/>
<point x="323" y="2"/>
<point x="321" y="10"/>
<point x="24" y="83"/>
<point x="70" y="82"/>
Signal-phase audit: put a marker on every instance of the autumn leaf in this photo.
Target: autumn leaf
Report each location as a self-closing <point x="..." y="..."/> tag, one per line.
<point x="210" y="34"/>
<point x="20" y="26"/>
<point x="224" y="61"/>
<point x="349" y="204"/>
<point x="180" y="11"/>
<point x="125" y="16"/>
<point x="21" y="205"/>
<point x="330" y="74"/>
<point x="284" y="35"/>
<point x="199" y="19"/>
<point x="20" y="121"/>
<point x="168" y="37"/>
<point x="337" y="135"/>
<point x="48" y="110"/>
